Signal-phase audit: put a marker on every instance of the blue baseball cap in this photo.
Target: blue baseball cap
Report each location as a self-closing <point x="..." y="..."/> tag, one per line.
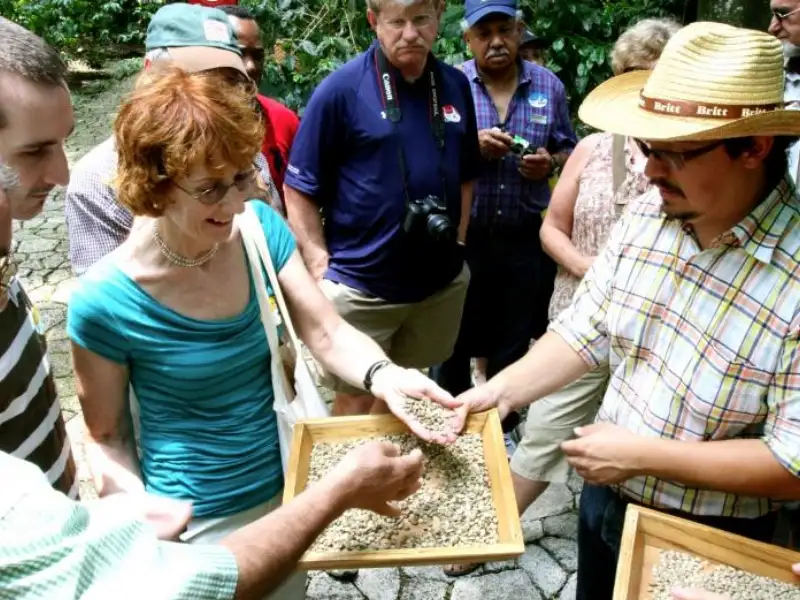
<point x="475" y="10"/>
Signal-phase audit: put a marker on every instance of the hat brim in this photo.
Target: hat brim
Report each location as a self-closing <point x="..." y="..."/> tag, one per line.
<point x="484" y="12"/>
<point x="205" y="58"/>
<point x="613" y="106"/>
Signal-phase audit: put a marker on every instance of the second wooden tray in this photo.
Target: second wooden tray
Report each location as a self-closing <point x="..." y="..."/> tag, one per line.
<point x="648" y="532"/>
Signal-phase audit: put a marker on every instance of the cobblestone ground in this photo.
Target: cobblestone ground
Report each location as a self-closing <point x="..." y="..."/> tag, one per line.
<point x="545" y="571"/>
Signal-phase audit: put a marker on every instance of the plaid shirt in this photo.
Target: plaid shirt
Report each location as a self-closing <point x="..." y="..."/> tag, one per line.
<point x="96" y="222"/>
<point x="538" y="112"/>
<point x="701" y="344"/>
<point x="54" y="548"/>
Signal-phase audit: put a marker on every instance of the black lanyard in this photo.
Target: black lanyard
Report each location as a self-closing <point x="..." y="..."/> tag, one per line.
<point x="392" y="105"/>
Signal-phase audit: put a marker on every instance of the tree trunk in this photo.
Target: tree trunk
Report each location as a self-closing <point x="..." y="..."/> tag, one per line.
<point x="753" y="14"/>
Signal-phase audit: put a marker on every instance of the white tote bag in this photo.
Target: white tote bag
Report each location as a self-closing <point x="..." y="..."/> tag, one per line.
<point x="296" y="396"/>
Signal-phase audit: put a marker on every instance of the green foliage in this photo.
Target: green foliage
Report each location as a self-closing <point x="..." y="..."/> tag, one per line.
<point x="311" y="38"/>
<point x="84" y="29"/>
<point x="308" y="39"/>
<point x="583" y="31"/>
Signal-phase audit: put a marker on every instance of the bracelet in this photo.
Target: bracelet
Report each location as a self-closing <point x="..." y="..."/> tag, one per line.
<point x="374" y="368"/>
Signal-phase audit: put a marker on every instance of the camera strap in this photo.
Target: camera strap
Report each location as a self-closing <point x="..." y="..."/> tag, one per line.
<point x="391" y="104"/>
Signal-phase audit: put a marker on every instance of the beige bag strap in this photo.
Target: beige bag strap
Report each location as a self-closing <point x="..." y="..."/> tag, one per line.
<point x="618" y="161"/>
<point x="252" y="226"/>
<point x="267" y="318"/>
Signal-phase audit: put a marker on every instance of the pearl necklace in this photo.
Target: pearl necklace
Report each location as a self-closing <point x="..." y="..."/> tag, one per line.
<point x="176" y="258"/>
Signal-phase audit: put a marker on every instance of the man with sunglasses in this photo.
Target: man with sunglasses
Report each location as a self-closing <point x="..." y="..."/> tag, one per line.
<point x="197" y="39"/>
<point x="692" y="308"/>
<point x="281" y="122"/>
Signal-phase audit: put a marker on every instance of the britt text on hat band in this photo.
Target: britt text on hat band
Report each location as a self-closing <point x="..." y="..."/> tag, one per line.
<point x="683" y="108"/>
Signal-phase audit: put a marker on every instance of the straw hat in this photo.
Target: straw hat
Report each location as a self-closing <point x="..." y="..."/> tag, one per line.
<point x="712" y="82"/>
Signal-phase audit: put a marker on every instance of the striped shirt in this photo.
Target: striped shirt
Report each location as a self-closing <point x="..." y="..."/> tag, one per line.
<point x="538" y="111"/>
<point x="31" y="425"/>
<point x="701" y="344"/>
<point x="53" y="548"/>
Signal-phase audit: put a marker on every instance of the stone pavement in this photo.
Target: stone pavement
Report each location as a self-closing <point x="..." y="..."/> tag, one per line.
<point x="545" y="571"/>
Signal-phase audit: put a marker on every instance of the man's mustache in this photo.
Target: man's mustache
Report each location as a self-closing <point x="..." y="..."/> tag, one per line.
<point x="666" y="185"/>
<point x="494" y="53"/>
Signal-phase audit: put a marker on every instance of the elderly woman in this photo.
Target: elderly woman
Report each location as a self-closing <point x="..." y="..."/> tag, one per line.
<point x="599" y="178"/>
<point x="173" y="314"/>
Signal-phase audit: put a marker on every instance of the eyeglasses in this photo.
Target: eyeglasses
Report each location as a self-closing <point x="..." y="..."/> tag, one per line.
<point x="676" y="159"/>
<point x="215" y="194"/>
<point x="779" y="14"/>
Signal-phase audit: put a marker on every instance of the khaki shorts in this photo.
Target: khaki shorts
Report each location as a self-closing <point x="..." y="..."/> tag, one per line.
<point x="415" y="336"/>
<point x="551" y="421"/>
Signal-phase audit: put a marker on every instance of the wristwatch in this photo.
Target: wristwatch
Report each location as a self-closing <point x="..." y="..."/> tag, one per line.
<point x="374" y="368"/>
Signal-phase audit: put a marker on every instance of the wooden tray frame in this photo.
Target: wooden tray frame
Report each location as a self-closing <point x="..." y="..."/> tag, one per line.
<point x="510" y="543"/>
<point x="647" y="532"/>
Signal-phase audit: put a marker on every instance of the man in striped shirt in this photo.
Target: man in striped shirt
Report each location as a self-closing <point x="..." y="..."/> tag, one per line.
<point x="693" y="308"/>
<point x="35" y="119"/>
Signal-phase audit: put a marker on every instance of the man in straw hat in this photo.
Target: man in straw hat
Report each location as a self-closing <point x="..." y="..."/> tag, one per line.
<point x="693" y="307"/>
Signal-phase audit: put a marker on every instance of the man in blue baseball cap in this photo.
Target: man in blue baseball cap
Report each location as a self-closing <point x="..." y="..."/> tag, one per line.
<point x="525" y="136"/>
<point x="196" y="38"/>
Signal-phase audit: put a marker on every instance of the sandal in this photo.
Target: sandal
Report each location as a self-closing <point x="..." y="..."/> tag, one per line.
<point x="459" y="570"/>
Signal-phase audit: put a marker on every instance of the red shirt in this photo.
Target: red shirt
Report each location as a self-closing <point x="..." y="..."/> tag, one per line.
<point x="282" y="125"/>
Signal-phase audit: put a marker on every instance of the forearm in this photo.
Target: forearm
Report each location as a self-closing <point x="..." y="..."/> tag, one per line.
<point x="306" y="223"/>
<point x="467" y="190"/>
<point x="560" y="248"/>
<point x="267" y="551"/>
<point x="345" y="351"/>
<point x="114" y="465"/>
<point x="547" y="367"/>
<point x="744" y="467"/>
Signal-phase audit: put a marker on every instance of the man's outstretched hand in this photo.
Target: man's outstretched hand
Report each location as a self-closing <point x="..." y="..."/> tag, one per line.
<point x="375" y="476"/>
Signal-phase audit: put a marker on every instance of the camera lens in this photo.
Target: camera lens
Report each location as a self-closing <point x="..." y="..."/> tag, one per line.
<point x="441" y="229"/>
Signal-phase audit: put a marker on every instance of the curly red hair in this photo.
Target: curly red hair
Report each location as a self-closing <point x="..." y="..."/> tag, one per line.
<point x="174" y="121"/>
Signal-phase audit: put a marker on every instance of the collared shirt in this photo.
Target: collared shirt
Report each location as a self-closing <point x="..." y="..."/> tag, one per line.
<point x="54" y="548"/>
<point x="701" y="344"/>
<point x="538" y="111"/>
<point x="31" y="424"/>
<point x="346" y="157"/>
<point x="96" y="222"/>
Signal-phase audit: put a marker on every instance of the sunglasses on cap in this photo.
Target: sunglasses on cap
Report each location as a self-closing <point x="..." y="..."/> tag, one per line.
<point x="779" y="14"/>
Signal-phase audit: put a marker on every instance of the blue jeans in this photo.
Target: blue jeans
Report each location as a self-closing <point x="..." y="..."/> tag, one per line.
<point x="602" y="516"/>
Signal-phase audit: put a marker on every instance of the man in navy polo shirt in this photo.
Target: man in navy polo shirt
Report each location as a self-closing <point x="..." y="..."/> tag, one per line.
<point x="525" y="137"/>
<point x="388" y="148"/>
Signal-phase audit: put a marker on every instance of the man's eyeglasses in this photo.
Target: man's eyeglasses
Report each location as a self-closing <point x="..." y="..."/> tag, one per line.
<point x="676" y="159"/>
<point x="779" y="14"/>
<point x="213" y="195"/>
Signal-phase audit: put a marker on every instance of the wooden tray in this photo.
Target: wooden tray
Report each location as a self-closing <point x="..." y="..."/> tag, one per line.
<point x="337" y="429"/>
<point x="647" y="532"/>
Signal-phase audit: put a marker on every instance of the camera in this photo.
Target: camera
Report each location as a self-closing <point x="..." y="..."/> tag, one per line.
<point x="429" y="216"/>
<point x="520" y="147"/>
